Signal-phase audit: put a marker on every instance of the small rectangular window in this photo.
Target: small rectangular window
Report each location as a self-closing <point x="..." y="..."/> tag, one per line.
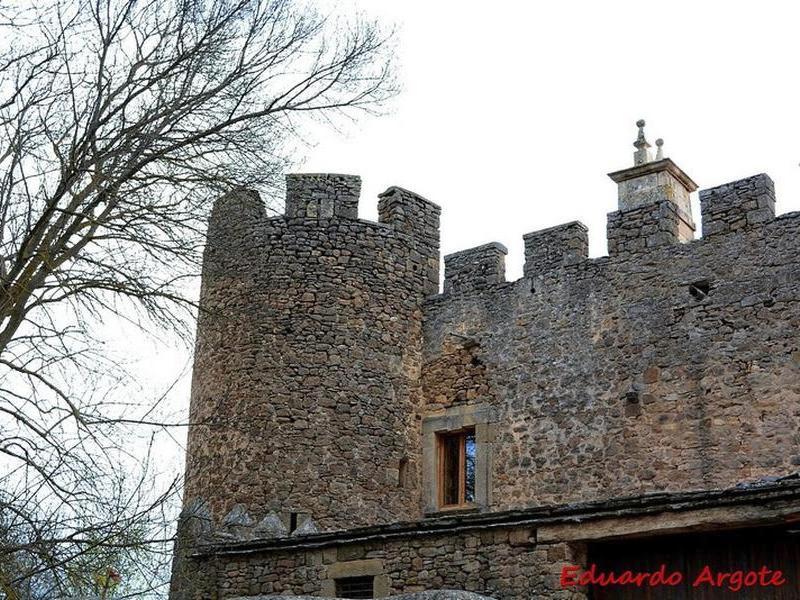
<point x="456" y="468"/>
<point x="402" y="473"/>
<point x="355" y="587"/>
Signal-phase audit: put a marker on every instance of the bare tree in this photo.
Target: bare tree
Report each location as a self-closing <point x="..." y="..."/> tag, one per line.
<point x="121" y="120"/>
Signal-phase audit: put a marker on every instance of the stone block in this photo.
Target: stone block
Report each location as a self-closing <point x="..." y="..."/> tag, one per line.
<point x="555" y="247"/>
<point x="733" y="206"/>
<point x="322" y="196"/>
<point x="475" y="269"/>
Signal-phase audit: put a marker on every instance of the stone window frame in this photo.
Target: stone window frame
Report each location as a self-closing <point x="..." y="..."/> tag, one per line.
<point x="357" y="568"/>
<point x="481" y="417"/>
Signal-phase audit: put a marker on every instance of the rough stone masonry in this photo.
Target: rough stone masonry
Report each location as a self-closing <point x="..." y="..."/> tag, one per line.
<point x="656" y="389"/>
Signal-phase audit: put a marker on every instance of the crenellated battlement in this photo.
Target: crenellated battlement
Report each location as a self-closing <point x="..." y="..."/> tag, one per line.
<point x="322" y="195"/>
<point x="325" y="206"/>
<point x="475" y="268"/>
<point x="555" y="247"/>
<point x="654" y="215"/>
<point x="633" y="234"/>
<point x="336" y="196"/>
<point x="737" y="205"/>
<point x="418" y="217"/>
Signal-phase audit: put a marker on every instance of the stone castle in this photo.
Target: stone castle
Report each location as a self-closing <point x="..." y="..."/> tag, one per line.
<point x="356" y="432"/>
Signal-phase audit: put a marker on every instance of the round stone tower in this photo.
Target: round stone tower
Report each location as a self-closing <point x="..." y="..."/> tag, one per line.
<point x="307" y="360"/>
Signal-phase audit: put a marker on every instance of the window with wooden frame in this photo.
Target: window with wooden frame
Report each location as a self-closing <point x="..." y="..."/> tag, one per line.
<point x="456" y="468"/>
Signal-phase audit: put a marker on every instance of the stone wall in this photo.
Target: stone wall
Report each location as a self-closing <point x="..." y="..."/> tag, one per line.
<point x="325" y="361"/>
<point x="643" y="228"/>
<point x="664" y="366"/>
<point x="738" y="204"/>
<point x="512" y="555"/>
<point x="475" y="269"/>
<point x="431" y="595"/>
<point x="308" y="356"/>
<point x="501" y="563"/>
<point x="456" y="376"/>
<point x="554" y="247"/>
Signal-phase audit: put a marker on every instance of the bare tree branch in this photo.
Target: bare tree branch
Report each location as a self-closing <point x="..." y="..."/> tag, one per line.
<point x="120" y="121"/>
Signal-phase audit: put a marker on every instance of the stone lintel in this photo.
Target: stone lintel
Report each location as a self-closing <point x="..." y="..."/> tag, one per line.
<point x="665" y="164"/>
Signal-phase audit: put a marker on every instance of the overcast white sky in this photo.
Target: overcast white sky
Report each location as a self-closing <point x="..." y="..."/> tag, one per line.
<point x="513" y="112"/>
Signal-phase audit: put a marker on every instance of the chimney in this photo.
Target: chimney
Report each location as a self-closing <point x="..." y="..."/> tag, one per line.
<point x="653" y="201"/>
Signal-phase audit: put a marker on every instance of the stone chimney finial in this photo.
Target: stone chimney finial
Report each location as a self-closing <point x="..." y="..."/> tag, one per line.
<point x="651" y="183"/>
<point x="642" y="155"/>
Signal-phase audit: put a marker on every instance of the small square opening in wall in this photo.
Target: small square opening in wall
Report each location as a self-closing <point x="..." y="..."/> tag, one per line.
<point x="355" y="587"/>
<point x="700" y="289"/>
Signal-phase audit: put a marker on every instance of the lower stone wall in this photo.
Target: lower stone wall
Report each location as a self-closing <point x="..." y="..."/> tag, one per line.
<point x="431" y="595"/>
<point x="508" y="556"/>
<point x="505" y="564"/>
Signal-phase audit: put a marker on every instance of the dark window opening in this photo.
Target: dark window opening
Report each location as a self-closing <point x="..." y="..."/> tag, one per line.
<point x="402" y="479"/>
<point x="292" y="522"/>
<point x="457" y="468"/>
<point x="355" y="587"/>
<point x="699" y="289"/>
